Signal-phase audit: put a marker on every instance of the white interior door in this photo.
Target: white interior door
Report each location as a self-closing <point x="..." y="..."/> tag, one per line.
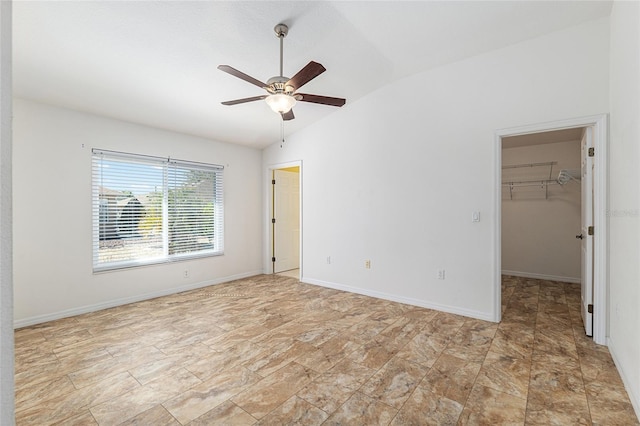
<point x="587" y="240"/>
<point x="286" y="232"/>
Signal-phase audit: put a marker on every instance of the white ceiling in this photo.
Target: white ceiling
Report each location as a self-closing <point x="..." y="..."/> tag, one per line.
<point x="154" y="62"/>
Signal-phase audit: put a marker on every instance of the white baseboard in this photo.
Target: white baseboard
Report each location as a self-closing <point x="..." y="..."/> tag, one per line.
<point x="635" y="399"/>
<point x="25" y="322"/>
<point x="401" y="299"/>
<point x="542" y="276"/>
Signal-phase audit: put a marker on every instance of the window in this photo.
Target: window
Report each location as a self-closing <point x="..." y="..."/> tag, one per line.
<point x="151" y="210"/>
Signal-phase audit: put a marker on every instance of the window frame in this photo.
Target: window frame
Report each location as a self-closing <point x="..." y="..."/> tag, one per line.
<point x="168" y="165"/>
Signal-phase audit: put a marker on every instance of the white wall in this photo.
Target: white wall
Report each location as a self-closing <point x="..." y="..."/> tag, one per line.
<point x="538" y="229"/>
<point x="624" y="201"/>
<point x="52" y="212"/>
<point x="395" y="176"/>
<point x="6" y="281"/>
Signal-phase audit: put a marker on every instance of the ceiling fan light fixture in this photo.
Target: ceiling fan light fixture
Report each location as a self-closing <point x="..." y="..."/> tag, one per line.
<point x="280" y="103"/>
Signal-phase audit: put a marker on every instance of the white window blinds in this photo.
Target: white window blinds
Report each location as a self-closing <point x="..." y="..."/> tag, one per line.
<point x="151" y="210"/>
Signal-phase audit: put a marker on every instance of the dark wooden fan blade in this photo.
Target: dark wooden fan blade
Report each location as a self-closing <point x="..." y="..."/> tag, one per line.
<point x="306" y="74"/>
<point x="244" y="100"/>
<point x="324" y="100"/>
<point x="288" y="115"/>
<point x="234" y="72"/>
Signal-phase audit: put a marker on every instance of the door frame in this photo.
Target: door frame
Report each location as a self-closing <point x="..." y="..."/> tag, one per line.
<point x="267" y="266"/>
<point x="600" y="126"/>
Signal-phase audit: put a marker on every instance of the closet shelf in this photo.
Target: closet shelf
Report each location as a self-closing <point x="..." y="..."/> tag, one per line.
<point x="536" y="175"/>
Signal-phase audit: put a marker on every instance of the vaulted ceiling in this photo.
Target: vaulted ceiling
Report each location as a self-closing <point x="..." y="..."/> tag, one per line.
<point x="154" y="62"/>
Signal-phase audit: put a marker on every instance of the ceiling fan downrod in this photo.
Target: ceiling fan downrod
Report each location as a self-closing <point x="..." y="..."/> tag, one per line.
<point x="281" y="32"/>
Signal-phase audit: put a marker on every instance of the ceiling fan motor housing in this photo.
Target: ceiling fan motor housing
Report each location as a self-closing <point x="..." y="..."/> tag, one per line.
<point x="279" y="84"/>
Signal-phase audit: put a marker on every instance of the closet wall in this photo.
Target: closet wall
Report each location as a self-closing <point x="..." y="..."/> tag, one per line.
<point x="540" y="220"/>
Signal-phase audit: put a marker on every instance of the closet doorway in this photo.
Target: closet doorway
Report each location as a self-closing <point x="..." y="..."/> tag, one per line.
<point x="552" y="181"/>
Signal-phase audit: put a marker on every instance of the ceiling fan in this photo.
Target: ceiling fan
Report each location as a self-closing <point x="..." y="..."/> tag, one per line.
<point x="282" y="91"/>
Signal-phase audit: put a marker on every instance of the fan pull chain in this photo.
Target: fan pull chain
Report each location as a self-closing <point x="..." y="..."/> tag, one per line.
<point x="281" y="132"/>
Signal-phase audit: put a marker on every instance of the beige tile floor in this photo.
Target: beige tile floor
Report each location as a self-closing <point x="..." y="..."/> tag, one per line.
<point x="270" y="350"/>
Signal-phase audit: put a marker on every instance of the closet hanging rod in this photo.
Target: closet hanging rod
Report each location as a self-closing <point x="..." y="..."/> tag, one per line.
<point x="521" y="183"/>
<point x="517" y="166"/>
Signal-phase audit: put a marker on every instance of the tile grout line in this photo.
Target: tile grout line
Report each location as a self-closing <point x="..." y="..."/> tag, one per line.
<point x="580" y="364"/>
<point x="533" y="348"/>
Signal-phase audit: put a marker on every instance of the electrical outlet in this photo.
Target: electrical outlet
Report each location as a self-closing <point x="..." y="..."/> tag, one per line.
<point x="441" y="274"/>
<point x="367" y="264"/>
<point x="328" y="260"/>
<point x="185" y="273"/>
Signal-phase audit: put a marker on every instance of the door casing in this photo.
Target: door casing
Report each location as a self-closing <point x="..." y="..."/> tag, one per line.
<point x="600" y="206"/>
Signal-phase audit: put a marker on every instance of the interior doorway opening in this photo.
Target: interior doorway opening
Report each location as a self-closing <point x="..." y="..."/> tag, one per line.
<point x="544" y="201"/>
<point x="592" y="267"/>
<point x="285" y="221"/>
